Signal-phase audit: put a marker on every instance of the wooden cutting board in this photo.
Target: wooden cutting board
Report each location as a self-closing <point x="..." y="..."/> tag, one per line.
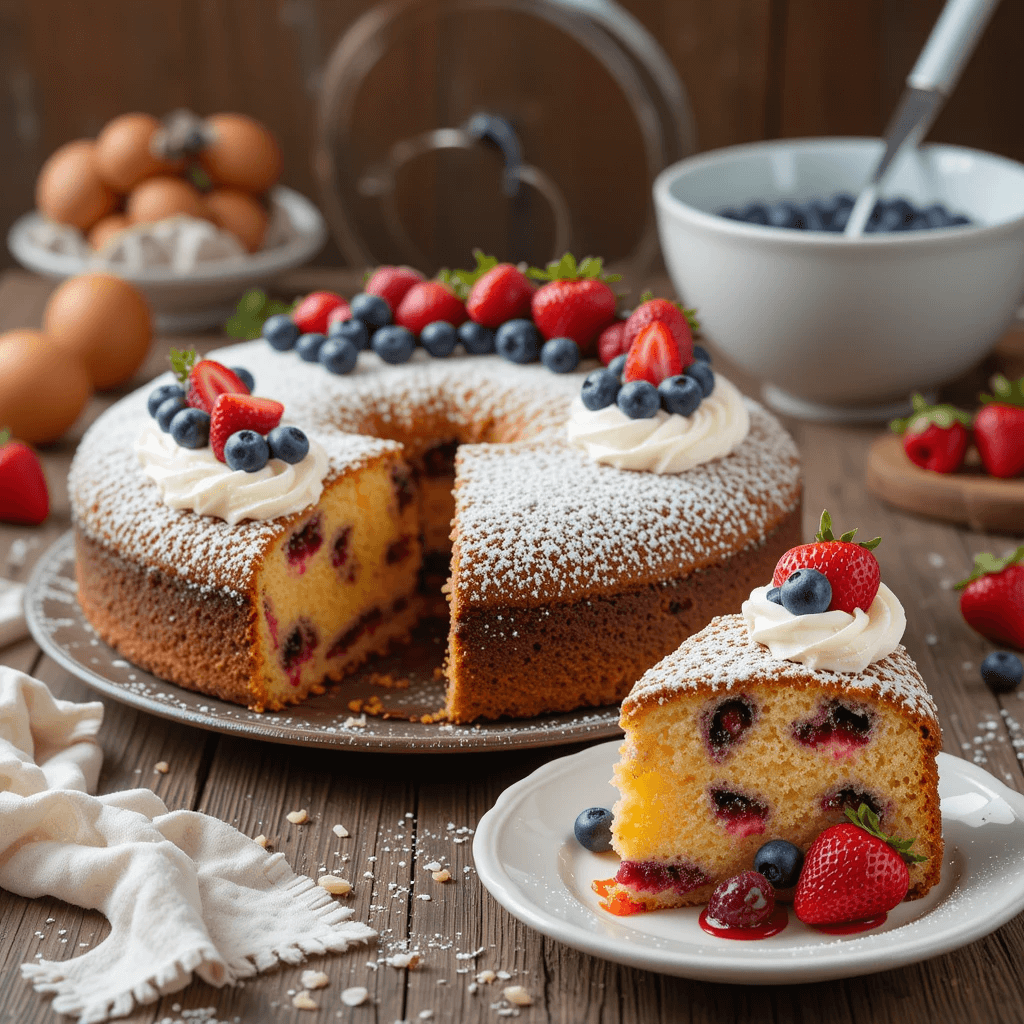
<point x="982" y="502"/>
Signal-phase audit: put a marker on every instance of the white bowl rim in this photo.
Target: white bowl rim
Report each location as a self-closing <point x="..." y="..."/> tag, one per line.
<point x="665" y="199"/>
<point x="253" y="266"/>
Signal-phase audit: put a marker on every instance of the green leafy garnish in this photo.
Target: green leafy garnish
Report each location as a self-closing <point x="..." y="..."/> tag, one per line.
<point x="1005" y="391"/>
<point x="866" y="819"/>
<point x="986" y="564"/>
<point x="924" y="415"/>
<point x="825" y="533"/>
<point x="182" y="361"/>
<point x="566" y="269"/>
<point x="254" y="308"/>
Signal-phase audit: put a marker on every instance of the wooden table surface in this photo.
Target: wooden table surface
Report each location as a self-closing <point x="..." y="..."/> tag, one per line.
<point x="397" y="810"/>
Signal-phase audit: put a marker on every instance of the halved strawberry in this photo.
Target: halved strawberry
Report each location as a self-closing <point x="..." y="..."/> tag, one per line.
<point x="232" y="413"/>
<point x="427" y="302"/>
<point x="392" y="283"/>
<point x="682" y="323"/>
<point x="207" y="381"/>
<point x="654" y="355"/>
<point x="310" y="315"/>
<point x="850" y="568"/>
<point x="23" y="494"/>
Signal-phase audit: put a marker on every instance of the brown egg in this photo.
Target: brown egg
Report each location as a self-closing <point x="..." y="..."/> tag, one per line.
<point x="243" y="153"/>
<point x="104" y="322"/>
<point x="42" y="390"/>
<point x="236" y="211"/>
<point x="69" y="189"/>
<point x="164" y="196"/>
<point x="104" y="230"/>
<point x="123" y="156"/>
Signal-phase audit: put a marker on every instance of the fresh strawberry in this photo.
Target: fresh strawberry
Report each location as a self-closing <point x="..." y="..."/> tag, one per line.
<point x="677" y="320"/>
<point x="428" y="301"/>
<point x="337" y="315"/>
<point x="204" y="381"/>
<point x="611" y="342"/>
<point x="999" y="428"/>
<point x="497" y="291"/>
<point x="992" y="601"/>
<point x="575" y="303"/>
<point x="310" y="315"/>
<point x="935" y="437"/>
<point x="23" y="495"/>
<point x="850" y="567"/>
<point x="392" y="283"/>
<point x="853" y="872"/>
<point x="653" y="356"/>
<point x="232" y="413"/>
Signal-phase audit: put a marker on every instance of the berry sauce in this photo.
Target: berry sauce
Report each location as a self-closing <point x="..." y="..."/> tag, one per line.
<point x="772" y="926"/>
<point x="741" y="815"/>
<point x="851" y="927"/>
<point x="726" y="726"/>
<point x="646" y="876"/>
<point x="303" y="544"/>
<point x="837" y="726"/>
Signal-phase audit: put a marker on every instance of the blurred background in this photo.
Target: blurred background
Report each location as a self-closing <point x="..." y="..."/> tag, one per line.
<point x="752" y="69"/>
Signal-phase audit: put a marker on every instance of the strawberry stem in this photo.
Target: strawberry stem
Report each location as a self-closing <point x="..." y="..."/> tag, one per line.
<point x="986" y="564"/>
<point x="924" y="415"/>
<point x="5" y="436"/>
<point x="566" y="269"/>
<point x="182" y="361"/>
<point x="1005" y="391"/>
<point x="866" y="819"/>
<point x="825" y="533"/>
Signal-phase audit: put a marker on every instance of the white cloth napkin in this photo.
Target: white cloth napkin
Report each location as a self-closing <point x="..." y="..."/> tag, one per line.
<point x="12" y="612"/>
<point x="183" y="892"/>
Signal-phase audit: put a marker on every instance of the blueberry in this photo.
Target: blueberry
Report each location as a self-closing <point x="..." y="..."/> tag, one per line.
<point x="371" y="309"/>
<point x="730" y="213"/>
<point x="813" y="218"/>
<point x="958" y="220"/>
<point x="600" y="389"/>
<point x="439" y="338"/>
<point x="775" y="595"/>
<point x="785" y="214"/>
<point x="338" y="355"/>
<point x="168" y="409"/>
<point x="161" y="394"/>
<point x="245" y="377"/>
<point x="308" y="347"/>
<point x="593" y="829"/>
<point x="835" y="211"/>
<point x="754" y="213"/>
<point x="190" y="428"/>
<point x="393" y="344"/>
<point x="680" y="395"/>
<point x="289" y="444"/>
<point x="246" y="450"/>
<point x="560" y="355"/>
<point x="351" y="330"/>
<point x="476" y="339"/>
<point x="618" y="364"/>
<point x="518" y="341"/>
<point x="701" y="354"/>
<point x="780" y="862"/>
<point x="281" y="332"/>
<point x="639" y="400"/>
<point x="806" y="592"/>
<point x="1002" y="671"/>
<point x="703" y="375"/>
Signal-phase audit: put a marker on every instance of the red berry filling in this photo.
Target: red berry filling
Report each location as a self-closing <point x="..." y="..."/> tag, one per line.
<point x="366" y="623"/>
<point x="303" y="544"/>
<point x="399" y="551"/>
<point x="840" y="799"/>
<point x="298" y="647"/>
<point x="647" y="876"/>
<point x="836" y="725"/>
<point x="405" y="492"/>
<point x="341" y="554"/>
<point x="271" y="618"/>
<point x="741" y="815"/>
<point x="726" y="724"/>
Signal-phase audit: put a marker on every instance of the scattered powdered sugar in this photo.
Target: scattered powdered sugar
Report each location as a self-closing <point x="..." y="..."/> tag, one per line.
<point x="723" y="657"/>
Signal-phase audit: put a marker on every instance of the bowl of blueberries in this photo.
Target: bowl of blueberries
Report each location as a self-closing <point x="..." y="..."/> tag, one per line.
<point x="838" y="327"/>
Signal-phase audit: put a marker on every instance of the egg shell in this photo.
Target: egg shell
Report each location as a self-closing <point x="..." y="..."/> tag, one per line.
<point x="106" y="228"/>
<point x="123" y="154"/>
<point x="238" y="212"/>
<point x="42" y="389"/>
<point x="69" y="189"/>
<point x="103" y="321"/>
<point x="242" y="154"/>
<point x="164" y="196"/>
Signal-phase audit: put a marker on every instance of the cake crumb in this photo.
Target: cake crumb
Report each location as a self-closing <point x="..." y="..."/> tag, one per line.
<point x="408" y="960"/>
<point x="261" y="840"/>
<point x="314" y="979"/>
<point x="388" y="682"/>
<point x="441" y="876"/>
<point x="298" y="817"/>
<point x="334" y="885"/>
<point x="472" y="987"/>
<point x="432" y="866"/>
<point x="518" y="996"/>
<point x="486" y="977"/>
<point x="355" y="723"/>
<point x="161" y="768"/>
<point x="355" y="996"/>
<point x="340" y="831"/>
<point x="303" y="1001"/>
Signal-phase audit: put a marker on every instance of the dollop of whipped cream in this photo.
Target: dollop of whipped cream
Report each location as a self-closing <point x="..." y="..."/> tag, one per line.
<point x="194" y="479"/>
<point x="836" y="641"/>
<point x="666" y="443"/>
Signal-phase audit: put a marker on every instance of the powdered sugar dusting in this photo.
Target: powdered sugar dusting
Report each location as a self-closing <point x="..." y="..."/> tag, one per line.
<point x="722" y="657"/>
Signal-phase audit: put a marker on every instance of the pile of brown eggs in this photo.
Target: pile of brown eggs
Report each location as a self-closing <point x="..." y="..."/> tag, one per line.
<point x="129" y="175"/>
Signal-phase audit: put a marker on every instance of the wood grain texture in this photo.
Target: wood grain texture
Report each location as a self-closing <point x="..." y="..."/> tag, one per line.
<point x="405" y="812"/>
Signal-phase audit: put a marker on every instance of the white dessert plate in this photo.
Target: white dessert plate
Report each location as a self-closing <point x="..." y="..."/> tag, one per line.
<point x="527" y="857"/>
<point x="56" y="620"/>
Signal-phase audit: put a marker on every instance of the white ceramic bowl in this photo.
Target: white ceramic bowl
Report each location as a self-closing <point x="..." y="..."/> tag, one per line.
<point x="196" y="301"/>
<point x="841" y="327"/>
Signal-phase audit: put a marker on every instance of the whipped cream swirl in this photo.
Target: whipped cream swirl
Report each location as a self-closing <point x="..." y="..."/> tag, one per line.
<point x="194" y="479"/>
<point x="836" y="641"/>
<point x="666" y="443"/>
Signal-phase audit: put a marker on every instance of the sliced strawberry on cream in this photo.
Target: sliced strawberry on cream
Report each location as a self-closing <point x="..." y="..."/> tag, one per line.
<point x="654" y="355"/>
